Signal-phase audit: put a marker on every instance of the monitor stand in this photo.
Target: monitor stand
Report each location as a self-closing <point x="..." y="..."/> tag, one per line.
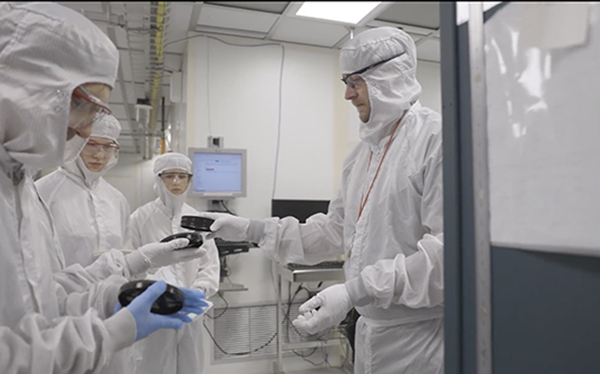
<point x="215" y="206"/>
<point x="224" y="273"/>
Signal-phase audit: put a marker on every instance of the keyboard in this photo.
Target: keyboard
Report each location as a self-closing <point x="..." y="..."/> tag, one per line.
<point x="320" y="265"/>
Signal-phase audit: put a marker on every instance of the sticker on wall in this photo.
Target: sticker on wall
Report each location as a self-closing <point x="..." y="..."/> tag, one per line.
<point x="553" y="25"/>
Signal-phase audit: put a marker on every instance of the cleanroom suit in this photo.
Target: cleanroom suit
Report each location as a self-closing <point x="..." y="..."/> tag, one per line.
<point x="386" y="219"/>
<point x="90" y="215"/>
<point x="178" y="352"/>
<point x="46" y="51"/>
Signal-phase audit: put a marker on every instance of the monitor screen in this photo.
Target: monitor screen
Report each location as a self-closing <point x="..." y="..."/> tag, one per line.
<point x="219" y="173"/>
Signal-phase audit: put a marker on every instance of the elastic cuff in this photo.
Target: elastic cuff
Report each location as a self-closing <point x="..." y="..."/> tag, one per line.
<point x="358" y="292"/>
<point x="122" y="329"/>
<point x="256" y="230"/>
<point x="137" y="263"/>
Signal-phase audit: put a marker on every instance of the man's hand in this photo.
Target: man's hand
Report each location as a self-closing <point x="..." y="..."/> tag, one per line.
<point x="227" y="226"/>
<point x="334" y="304"/>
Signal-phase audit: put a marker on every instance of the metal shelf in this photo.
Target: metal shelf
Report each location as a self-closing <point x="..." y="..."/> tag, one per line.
<point x="311" y="275"/>
<point x="299" y="276"/>
<point x="314" y="343"/>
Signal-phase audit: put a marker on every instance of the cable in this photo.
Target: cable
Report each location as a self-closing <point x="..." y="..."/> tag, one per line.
<point x="291" y="301"/>
<point x="287" y="315"/>
<point x="222" y="41"/>
<point x="217" y="344"/>
<point x="277" y="147"/>
<point x="278" y="124"/>
<point x="184" y="39"/>
<point x="236" y="353"/>
<point x="345" y="359"/>
<point x="308" y="355"/>
<point x="314" y="363"/>
<point x="224" y="310"/>
<point x="280" y="95"/>
<point x="226" y="208"/>
<point x="273" y="282"/>
<point x="208" y="87"/>
<point x="304" y="356"/>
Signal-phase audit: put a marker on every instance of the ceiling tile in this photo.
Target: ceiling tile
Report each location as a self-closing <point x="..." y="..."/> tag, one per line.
<point x="115" y="95"/>
<point x="125" y="66"/>
<point x="429" y="50"/>
<point x="179" y="21"/>
<point x="309" y="32"/>
<point x="91" y="6"/>
<point x="118" y="110"/>
<point x="276" y="7"/>
<point x="121" y="36"/>
<point x="420" y="14"/>
<point x="130" y="88"/>
<point x="415" y="37"/>
<point x="173" y="62"/>
<point x="237" y="19"/>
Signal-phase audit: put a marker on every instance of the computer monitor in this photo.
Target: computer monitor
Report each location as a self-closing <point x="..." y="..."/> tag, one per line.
<point x="301" y="209"/>
<point x="219" y="173"/>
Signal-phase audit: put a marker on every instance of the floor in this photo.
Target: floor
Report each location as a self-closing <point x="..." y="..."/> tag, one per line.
<point x="322" y="370"/>
<point x="318" y="371"/>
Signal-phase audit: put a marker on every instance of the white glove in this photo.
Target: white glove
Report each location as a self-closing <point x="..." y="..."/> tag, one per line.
<point x="155" y="255"/>
<point x="334" y="304"/>
<point x="227" y="226"/>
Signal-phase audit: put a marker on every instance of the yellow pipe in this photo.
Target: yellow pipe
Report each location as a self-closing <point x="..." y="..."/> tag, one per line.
<point x="158" y="44"/>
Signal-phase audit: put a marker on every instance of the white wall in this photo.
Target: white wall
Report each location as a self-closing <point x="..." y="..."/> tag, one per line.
<point x="243" y="106"/>
<point x="428" y="75"/>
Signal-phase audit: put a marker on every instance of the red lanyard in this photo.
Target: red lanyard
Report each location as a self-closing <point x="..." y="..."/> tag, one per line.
<point x="364" y="201"/>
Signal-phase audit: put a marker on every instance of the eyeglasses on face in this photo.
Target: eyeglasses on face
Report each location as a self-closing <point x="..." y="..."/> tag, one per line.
<point x="169" y="177"/>
<point x="86" y="108"/>
<point x="93" y="148"/>
<point x="354" y="80"/>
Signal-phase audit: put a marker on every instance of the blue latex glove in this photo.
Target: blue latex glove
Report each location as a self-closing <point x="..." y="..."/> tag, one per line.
<point x="146" y="322"/>
<point x="194" y="301"/>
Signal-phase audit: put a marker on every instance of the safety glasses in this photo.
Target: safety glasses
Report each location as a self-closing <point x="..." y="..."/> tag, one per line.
<point x="171" y="177"/>
<point x="353" y="80"/>
<point x="92" y="148"/>
<point x="86" y="108"/>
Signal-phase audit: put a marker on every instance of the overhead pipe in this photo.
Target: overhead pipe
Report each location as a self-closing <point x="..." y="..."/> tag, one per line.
<point x="162" y="132"/>
<point x="160" y="11"/>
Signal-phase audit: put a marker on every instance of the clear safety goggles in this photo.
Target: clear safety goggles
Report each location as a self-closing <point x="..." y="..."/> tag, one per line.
<point x="92" y="148"/>
<point x="354" y="80"/>
<point x="86" y="108"/>
<point x="172" y="177"/>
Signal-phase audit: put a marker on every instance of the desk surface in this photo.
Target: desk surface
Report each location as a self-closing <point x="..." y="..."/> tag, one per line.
<point x="310" y="275"/>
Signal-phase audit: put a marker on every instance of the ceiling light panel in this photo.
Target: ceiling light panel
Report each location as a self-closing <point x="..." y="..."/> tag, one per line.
<point x="420" y="14"/>
<point x="429" y="50"/>
<point x="340" y="11"/>
<point x="264" y="6"/>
